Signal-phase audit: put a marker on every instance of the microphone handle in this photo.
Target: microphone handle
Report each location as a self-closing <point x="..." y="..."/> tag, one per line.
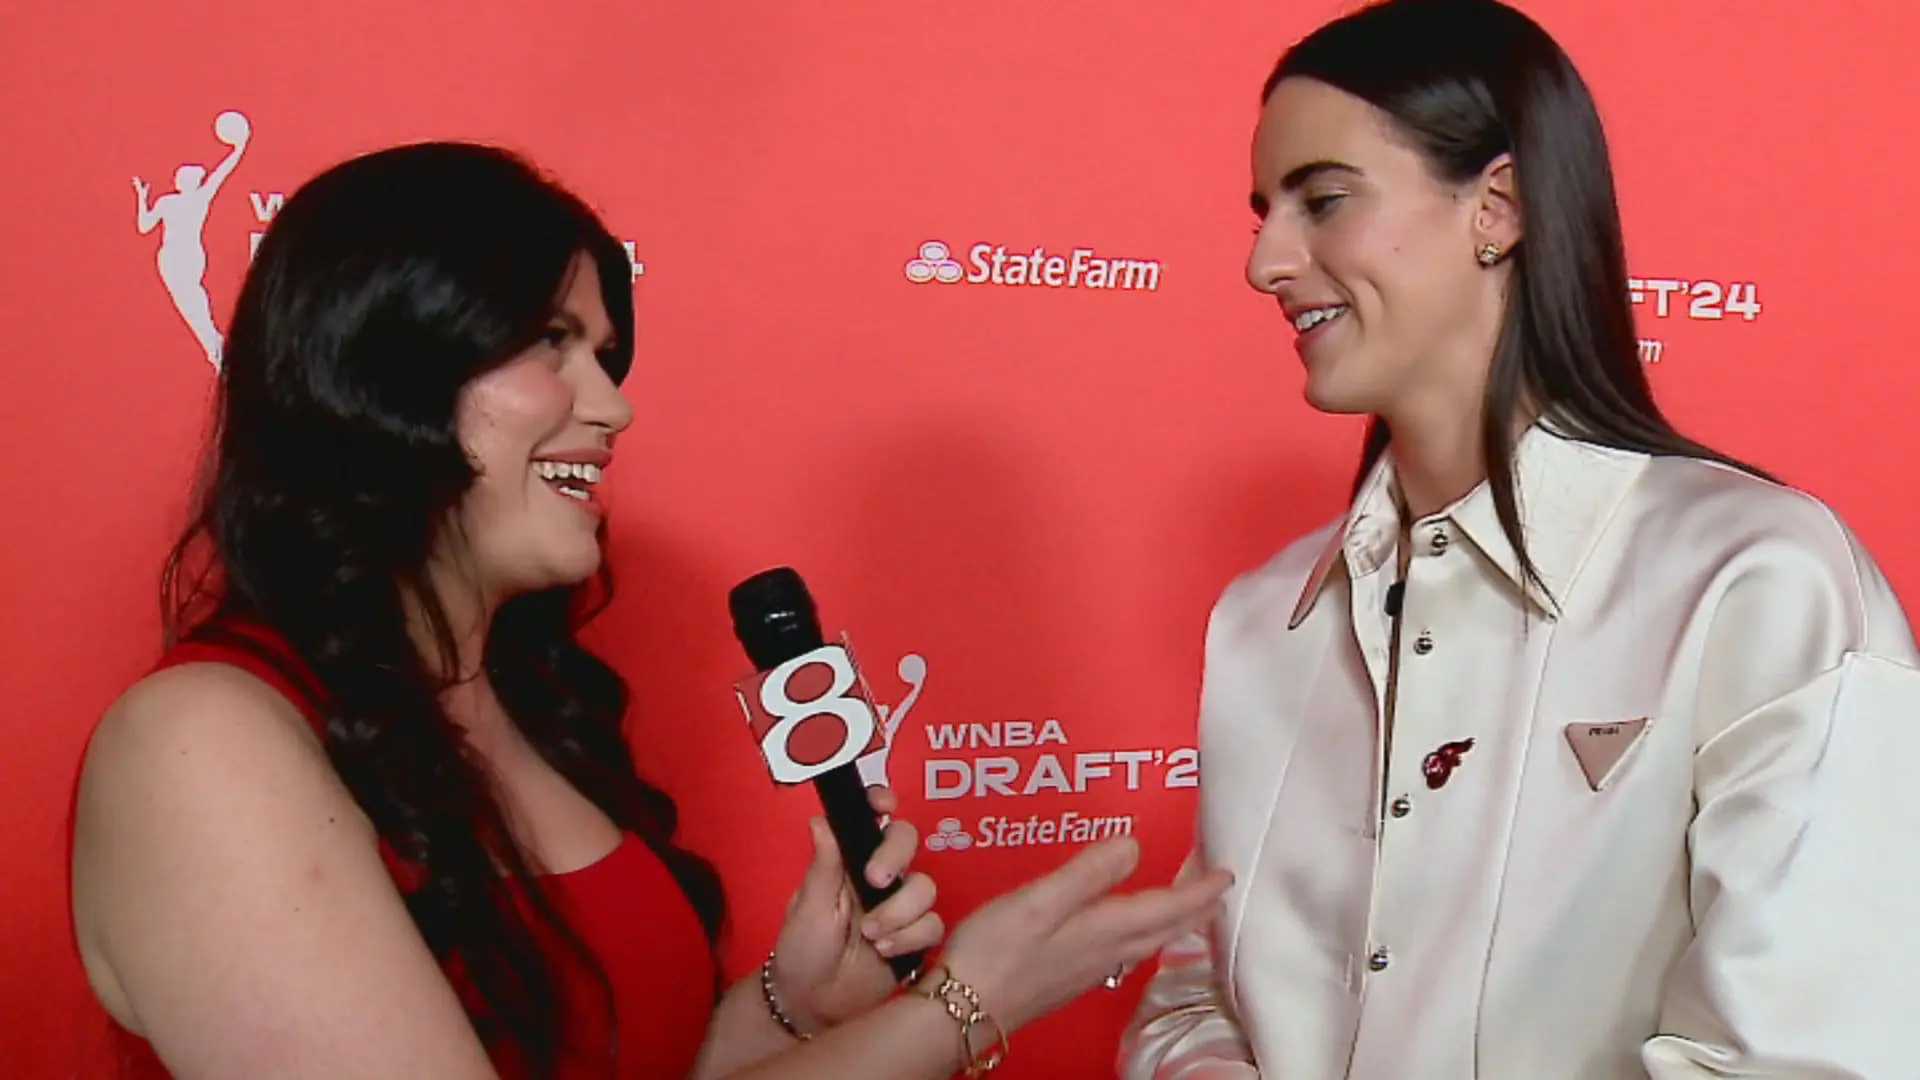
<point x="844" y="797"/>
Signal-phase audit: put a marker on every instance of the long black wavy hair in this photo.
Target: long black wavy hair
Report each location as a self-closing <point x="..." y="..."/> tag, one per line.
<point x="380" y="289"/>
<point x="1464" y="81"/>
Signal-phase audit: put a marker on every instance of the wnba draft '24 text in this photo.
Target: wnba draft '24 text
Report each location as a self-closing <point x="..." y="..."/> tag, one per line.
<point x="1693" y="299"/>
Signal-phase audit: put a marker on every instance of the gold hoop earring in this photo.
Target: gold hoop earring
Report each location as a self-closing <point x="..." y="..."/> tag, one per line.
<point x="1489" y="255"/>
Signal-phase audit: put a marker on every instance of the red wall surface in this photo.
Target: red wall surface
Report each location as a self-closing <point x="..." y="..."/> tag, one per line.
<point x="1036" y="490"/>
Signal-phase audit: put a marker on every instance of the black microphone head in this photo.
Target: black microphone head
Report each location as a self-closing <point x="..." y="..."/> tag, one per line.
<point x="774" y="617"/>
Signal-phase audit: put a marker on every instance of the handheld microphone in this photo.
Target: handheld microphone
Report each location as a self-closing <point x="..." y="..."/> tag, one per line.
<point x="813" y="717"/>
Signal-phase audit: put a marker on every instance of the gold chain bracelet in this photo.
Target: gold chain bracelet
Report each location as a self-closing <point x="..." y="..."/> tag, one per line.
<point x="963" y="1005"/>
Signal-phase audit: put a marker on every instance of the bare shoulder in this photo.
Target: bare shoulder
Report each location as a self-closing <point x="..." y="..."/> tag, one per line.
<point x="194" y="703"/>
<point x="201" y="739"/>
<point x="231" y="902"/>
<point x="183" y="773"/>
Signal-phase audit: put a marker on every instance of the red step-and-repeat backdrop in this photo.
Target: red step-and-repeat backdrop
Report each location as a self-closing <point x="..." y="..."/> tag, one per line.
<point x="1018" y="498"/>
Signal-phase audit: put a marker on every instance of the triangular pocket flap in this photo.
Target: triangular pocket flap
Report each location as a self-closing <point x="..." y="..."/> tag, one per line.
<point x="1600" y="747"/>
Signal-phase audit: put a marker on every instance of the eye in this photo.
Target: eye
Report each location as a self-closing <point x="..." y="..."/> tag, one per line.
<point x="1319" y="206"/>
<point x="555" y="336"/>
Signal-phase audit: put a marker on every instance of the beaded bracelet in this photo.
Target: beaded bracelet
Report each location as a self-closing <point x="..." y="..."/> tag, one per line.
<point x="773" y="1002"/>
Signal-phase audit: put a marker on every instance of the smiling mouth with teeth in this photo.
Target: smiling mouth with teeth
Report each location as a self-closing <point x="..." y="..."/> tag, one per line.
<point x="1307" y="320"/>
<point x="572" y="479"/>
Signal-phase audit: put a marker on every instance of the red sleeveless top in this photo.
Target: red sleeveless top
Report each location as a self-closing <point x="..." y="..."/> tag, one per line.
<point x="626" y="907"/>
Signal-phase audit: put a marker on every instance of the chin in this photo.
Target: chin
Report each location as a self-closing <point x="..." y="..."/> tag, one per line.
<point x="579" y="568"/>
<point x="561" y="570"/>
<point x="1332" y="400"/>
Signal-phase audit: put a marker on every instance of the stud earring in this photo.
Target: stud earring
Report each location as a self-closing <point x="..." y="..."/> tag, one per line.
<point x="1489" y="255"/>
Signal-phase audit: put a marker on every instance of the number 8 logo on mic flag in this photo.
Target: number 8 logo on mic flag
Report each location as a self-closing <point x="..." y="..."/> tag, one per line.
<point x="812" y="714"/>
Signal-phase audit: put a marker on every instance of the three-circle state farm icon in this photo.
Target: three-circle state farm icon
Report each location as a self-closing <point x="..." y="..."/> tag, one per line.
<point x="812" y="714"/>
<point x="949" y="835"/>
<point x="936" y="263"/>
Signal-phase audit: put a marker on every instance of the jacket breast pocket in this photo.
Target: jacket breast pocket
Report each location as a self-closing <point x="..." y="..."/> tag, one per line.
<point x="1605" y="749"/>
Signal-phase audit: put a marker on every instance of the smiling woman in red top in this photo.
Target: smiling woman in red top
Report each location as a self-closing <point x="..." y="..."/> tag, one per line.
<point x="374" y="815"/>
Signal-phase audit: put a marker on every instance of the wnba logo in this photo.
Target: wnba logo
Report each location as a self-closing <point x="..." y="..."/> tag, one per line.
<point x="181" y="217"/>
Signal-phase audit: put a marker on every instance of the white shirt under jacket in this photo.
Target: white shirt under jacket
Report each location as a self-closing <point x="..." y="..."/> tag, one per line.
<point x="1730" y="889"/>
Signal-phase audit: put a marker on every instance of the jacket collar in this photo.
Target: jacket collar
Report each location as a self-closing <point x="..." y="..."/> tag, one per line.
<point x="1566" y="492"/>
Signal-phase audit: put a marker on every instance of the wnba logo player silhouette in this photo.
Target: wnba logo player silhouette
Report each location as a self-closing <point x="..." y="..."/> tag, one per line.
<point x="181" y="216"/>
<point x="873" y="767"/>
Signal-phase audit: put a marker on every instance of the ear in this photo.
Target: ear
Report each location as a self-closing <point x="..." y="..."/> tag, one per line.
<point x="1497" y="217"/>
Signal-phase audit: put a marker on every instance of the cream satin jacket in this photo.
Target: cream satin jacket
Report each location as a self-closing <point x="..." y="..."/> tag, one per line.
<point x="1666" y="827"/>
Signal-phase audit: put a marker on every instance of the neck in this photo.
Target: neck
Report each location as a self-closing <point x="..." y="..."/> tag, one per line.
<point x="1436" y="449"/>
<point x="468" y="613"/>
<point x="1437" y="462"/>
<point x="468" y="695"/>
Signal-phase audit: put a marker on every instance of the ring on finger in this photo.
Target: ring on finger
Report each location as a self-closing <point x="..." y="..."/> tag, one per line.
<point x="1113" y="981"/>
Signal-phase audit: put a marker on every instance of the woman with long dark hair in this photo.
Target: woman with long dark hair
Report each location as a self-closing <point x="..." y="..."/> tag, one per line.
<point x="1575" y="749"/>
<point x="375" y="814"/>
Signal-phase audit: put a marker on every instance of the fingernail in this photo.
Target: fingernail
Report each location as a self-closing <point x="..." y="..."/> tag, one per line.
<point x="884" y="947"/>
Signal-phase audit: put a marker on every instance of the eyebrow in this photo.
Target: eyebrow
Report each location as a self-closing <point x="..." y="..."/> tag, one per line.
<point x="1299" y="177"/>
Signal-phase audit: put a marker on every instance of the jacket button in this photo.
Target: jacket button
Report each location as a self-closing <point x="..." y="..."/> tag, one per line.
<point x="1439" y="542"/>
<point x="1380" y="959"/>
<point x="1402" y="806"/>
<point x="1424" y="643"/>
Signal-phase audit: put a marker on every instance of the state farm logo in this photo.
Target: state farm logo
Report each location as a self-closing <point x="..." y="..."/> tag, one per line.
<point x="996" y="264"/>
<point x="181" y="215"/>
<point x="1001" y="831"/>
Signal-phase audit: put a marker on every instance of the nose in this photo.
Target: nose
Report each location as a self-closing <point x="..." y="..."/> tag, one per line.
<point x="1279" y="254"/>
<point x="600" y="403"/>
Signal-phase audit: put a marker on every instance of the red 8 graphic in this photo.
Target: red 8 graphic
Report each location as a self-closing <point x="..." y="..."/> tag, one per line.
<point x="811" y="715"/>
